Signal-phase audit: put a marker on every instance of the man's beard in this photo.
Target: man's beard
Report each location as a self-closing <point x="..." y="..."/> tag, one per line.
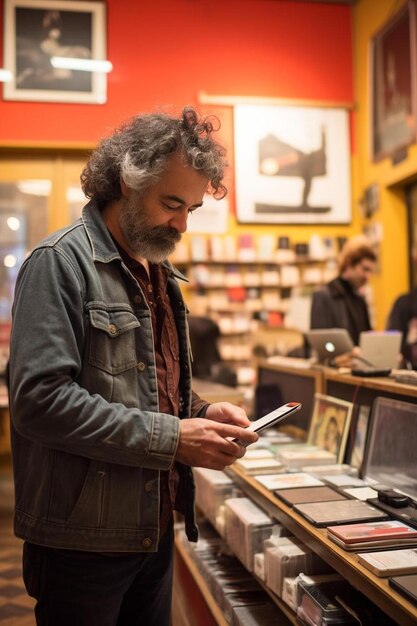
<point x="154" y="243"/>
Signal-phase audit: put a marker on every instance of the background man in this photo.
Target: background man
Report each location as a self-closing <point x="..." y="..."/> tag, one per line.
<point x="340" y="303"/>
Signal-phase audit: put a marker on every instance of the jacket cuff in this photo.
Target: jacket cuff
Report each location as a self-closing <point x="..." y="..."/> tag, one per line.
<point x="164" y="439"/>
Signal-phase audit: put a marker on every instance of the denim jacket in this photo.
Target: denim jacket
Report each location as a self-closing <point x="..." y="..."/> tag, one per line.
<point x="88" y="441"/>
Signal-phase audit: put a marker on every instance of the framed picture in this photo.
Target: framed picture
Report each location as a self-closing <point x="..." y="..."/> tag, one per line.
<point x="393" y="83"/>
<point x="292" y="165"/>
<point x="329" y="428"/>
<point x="361" y="430"/>
<point x="38" y="31"/>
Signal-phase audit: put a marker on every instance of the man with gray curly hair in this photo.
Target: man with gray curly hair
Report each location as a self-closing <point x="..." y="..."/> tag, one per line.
<point x="100" y="383"/>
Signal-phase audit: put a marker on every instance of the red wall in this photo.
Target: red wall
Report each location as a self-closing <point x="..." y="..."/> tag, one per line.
<point x="165" y="52"/>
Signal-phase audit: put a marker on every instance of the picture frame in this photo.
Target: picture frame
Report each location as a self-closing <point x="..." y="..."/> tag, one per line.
<point x="330" y="424"/>
<point x="292" y="164"/>
<point x="361" y="430"/>
<point x="35" y="31"/>
<point x="393" y="66"/>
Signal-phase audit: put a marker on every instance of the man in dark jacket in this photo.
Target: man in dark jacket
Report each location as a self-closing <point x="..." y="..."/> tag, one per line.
<point x="105" y="426"/>
<point x="403" y="317"/>
<point x="340" y="303"/>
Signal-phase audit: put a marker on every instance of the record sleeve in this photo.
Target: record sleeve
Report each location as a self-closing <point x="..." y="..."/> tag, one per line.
<point x="328" y="470"/>
<point x="390" y="562"/>
<point x="344" y="480"/>
<point x="283" y="481"/>
<point x="259" y="614"/>
<point x="308" y="494"/>
<point x="373" y="536"/>
<point x="298" y="458"/>
<point x="260" y="466"/>
<point x="372" y="531"/>
<point x="324" y="514"/>
<point x="360" y="493"/>
<point x="407" y="585"/>
<point x="317" y="604"/>
<point x="374" y="546"/>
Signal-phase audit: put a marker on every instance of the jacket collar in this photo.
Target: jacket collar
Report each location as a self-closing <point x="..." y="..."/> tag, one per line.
<point x="339" y="288"/>
<point x="103" y="248"/>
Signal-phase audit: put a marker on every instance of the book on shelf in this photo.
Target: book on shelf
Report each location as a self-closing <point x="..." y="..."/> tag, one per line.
<point x="246" y="250"/>
<point x="218" y="300"/>
<point x="390" y="562"/>
<point x="233" y="277"/>
<point x="199" y="248"/>
<point x="389" y="533"/>
<point x="360" y="493"/>
<point x="200" y="275"/>
<point x="270" y="276"/>
<point x="266" y="248"/>
<point x="297" y="458"/>
<point x="216" y="277"/>
<point x="260" y="466"/>
<point x="217" y="248"/>
<point x="281" y="481"/>
<point x="323" y="514"/>
<point x="270" y="299"/>
<point x="230" y="248"/>
<point x="406" y="585"/>
<point x="253" y="299"/>
<point x="251" y="276"/>
<point x="290" y="276"/>
<point x="236" y="294"/>
<point x="312" y="275"/>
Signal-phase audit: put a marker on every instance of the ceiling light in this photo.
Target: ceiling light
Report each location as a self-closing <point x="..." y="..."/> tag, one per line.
<point x="37" y="187"/>
<point x="13" y="223"/>
<point x="85" y="65"/>
<point x="9" y="260"/>
<point x="5" y="76"/>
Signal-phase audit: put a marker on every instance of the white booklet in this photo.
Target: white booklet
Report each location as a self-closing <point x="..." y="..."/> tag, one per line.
<point x="283" y="481"/>
<point x="390" y="562"/>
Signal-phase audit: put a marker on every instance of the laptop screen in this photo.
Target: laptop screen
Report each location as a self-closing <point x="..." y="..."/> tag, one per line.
<point x="381" y="348"/>
<point x="390" y="451"/>
<point x="327" y="343"/>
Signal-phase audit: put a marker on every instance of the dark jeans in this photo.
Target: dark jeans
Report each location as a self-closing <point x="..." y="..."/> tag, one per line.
<point x="75" y="588"/>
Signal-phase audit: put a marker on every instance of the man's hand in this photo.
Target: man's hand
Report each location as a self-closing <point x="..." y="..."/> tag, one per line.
<point x="227" y="413"/>
<point x="205" y="442"/>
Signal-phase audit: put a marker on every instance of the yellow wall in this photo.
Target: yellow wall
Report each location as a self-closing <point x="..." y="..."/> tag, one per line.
<point x="369" y="16"/>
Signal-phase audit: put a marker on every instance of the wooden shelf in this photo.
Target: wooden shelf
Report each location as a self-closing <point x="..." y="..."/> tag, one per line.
<point x="383" y="385"/>
<point x="201" y="584"/>
<point x="211" y="602"/>
<point x="375" y="588"/>
<point x="346" y="564"/>
<point x="272" y="263"/>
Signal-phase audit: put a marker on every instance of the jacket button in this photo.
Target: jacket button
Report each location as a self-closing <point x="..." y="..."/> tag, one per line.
<point x="140" y="366"/>
<point x="148" y="486"/>
<point x="137" y="299"/>
<point x="146" y="543"/>
<point x="112" y="329"/>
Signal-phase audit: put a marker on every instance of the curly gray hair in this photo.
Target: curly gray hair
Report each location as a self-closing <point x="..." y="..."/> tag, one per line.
<point x="138" y="152"/>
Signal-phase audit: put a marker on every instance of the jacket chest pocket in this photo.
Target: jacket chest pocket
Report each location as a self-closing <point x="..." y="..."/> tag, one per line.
<point x="112" y="340"/>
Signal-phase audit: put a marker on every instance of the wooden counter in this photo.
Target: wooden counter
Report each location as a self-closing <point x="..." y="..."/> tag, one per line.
<point x="215" y="392"/>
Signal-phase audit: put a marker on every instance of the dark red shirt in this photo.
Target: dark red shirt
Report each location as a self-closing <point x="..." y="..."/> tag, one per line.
<point x="154" y="287"/>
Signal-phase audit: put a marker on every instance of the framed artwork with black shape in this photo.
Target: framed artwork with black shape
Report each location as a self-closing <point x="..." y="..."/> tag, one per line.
<point x="47" y="44"/>
<point x="292" y="164"/>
